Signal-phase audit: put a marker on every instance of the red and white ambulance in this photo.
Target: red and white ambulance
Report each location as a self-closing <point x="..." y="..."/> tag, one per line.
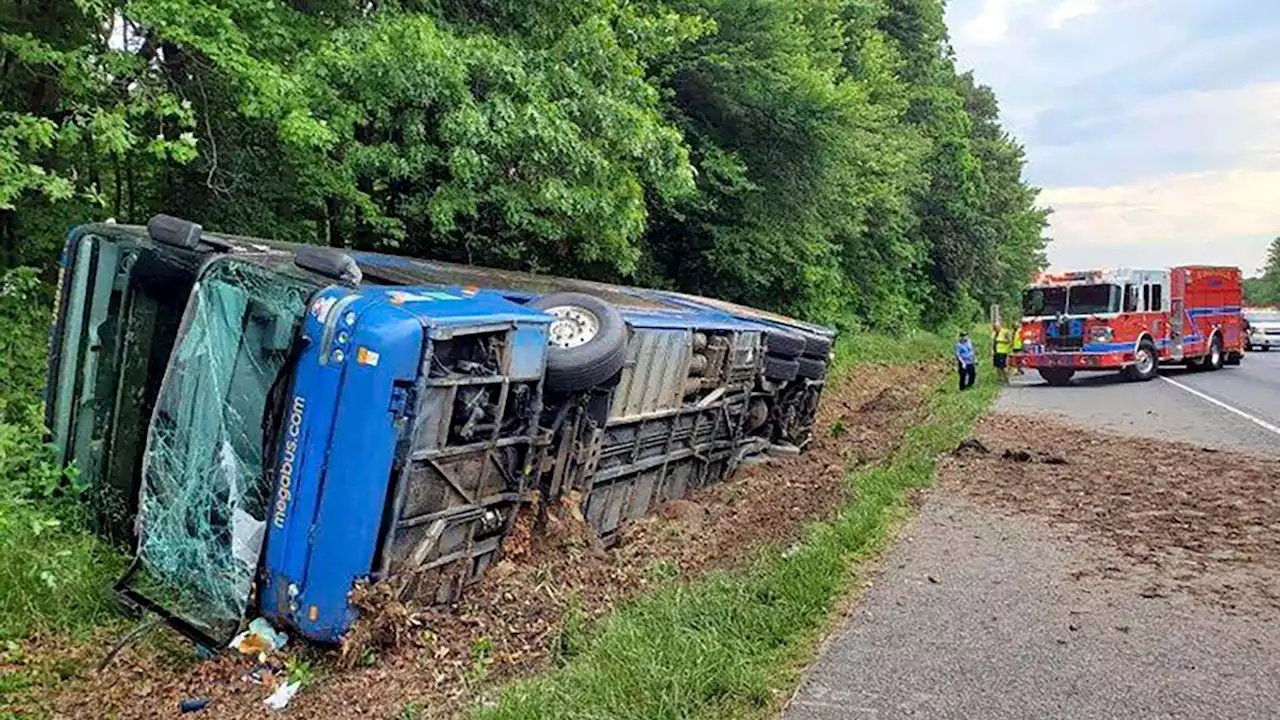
<point x="1131" y="320"/>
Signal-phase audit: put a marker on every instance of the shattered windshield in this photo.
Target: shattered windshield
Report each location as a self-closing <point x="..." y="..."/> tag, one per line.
<point x="1044" y="301"/>
<point x="204" y="494"/>
<point x="1093" y="299"/>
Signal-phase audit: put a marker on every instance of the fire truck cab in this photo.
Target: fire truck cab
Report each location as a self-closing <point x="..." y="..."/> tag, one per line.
<point x="1131" y="320"/>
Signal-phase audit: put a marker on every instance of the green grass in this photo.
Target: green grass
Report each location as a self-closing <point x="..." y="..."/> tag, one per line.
<point x="731" y="645"/>
<point x="53" y="575"/>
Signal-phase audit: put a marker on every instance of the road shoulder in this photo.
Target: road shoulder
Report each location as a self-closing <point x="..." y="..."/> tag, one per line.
<point x="1029" y="586"/>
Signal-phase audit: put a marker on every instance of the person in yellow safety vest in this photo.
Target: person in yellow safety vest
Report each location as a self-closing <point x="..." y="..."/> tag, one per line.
<point x="1000" y="356"/>
<point x="1017" y="348"/>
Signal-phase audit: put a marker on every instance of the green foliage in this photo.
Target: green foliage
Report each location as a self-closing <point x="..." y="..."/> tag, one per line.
<point x="728" y="646"/>
<point x="52" y="575"/>
<point x="820" y="157"/>
<point x="1265" y="289"/>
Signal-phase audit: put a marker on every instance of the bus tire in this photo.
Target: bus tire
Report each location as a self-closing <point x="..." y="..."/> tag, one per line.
<point x="811" y="368"/>
<point x="780" y="369"/>
<point x="817" y="346"/>
<point x="783" y="344"/>
<point x="581" y="356"/>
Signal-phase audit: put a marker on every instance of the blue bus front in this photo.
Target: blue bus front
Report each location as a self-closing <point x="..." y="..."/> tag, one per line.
<point x="406" y="447"/>
<point x="400" y="424"/>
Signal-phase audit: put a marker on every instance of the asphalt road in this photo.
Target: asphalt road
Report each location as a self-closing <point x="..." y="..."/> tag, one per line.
<point x="977" y="618"/>
<point x="977" y="614"/>
<point x="1245" y="416"/>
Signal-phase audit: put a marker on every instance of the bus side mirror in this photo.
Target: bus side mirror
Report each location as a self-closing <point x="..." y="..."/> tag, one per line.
<point x="329" y="262"/>
<point x="169" y="230"/>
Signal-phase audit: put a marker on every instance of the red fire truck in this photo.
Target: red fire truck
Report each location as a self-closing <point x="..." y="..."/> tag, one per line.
<point x="1131" y="320"/>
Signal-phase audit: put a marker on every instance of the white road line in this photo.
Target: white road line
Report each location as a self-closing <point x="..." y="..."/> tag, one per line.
<point x="1260" y="423"/>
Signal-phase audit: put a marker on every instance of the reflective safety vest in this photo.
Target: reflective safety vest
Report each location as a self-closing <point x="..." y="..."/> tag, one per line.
<point x="1017" y="341"/>
<point x="1004" y="340"/>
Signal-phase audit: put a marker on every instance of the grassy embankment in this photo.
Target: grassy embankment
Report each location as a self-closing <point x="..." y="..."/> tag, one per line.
<point x="733" y="645"/>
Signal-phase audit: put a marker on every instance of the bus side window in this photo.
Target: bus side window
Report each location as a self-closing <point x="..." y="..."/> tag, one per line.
<point x="1130" y="298"/>
<point x="1146" y="298"/>
<point x="1157" y="302"/>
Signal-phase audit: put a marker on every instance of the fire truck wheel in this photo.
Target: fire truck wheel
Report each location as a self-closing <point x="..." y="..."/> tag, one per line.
<point x="1057" y="377"/>
<point x="1145" y="362"/>
<point x="1215" y="359"/>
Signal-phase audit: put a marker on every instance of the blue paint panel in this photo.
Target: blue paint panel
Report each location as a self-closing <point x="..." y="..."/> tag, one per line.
<point x="528" y="352"/>
<point x="362" y="452"/>
<point x="341" y="470"/>
<point x="300" y="464"/>
<point x="685" y="313"/>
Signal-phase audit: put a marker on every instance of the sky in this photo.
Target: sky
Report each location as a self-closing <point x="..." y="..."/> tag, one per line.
<point x="1152" y="126"/>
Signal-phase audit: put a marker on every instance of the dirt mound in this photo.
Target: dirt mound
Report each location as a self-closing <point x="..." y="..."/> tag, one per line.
<point x="890" y="399"/>
<point x="403" y="657"/>
<point x="1204" y="522"/>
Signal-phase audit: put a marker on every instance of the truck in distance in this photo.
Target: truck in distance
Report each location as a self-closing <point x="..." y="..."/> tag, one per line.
<point x="1131" y="320"/>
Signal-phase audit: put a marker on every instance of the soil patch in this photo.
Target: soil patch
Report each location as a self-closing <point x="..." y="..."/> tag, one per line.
<point x="416" y="662"/>
<point x="1186" y="518"/>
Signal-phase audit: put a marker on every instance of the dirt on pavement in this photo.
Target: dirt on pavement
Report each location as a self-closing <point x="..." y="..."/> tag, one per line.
<point x="424" y="662"/>
<point x="1186" y="518"/>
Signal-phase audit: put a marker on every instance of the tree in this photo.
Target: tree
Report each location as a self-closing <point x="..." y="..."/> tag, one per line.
<point x="819" y="157"/>
<point x="1265" y="289"/>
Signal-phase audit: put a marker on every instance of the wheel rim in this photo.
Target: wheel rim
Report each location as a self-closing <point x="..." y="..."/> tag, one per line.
<point x="1145" y="361"/>
<point x="573" y="326"/>
<point x="1215" y="354"/>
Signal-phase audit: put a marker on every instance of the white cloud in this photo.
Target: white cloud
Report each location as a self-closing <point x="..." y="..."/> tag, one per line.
<point x="1221" y="210"/>
<point x="1155" y="134"/>
<point x="1208" y="207"/>
<point x="991" y="24"/>
<point x="1238" y="136"/>
<point x="1068" y="10"/>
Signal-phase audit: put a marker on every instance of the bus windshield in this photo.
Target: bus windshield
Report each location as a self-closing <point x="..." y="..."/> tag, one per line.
<point x="204" y="494"/>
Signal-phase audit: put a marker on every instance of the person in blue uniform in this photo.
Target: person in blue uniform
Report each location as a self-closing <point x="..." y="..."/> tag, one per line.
<point x="966" y="362"/>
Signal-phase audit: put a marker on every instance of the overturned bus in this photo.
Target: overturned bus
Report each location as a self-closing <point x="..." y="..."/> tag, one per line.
<point x="268" y="424"/>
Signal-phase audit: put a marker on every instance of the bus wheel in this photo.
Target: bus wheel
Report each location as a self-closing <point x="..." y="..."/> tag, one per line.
<point x="587" y="338"/>
<point x="1057" y="377"/>
<point x="1145" y="362"/>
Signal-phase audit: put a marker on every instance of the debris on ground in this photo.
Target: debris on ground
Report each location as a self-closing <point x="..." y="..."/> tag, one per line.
<point x="1207" y="524"/>
<point x="279" y="699"/>
<point x="972" y="446"/>
<point x="191" y="705"/>
<point x="260" y="640"/>
<point x="889" y="399"/>
<point x="508" y="625"/>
